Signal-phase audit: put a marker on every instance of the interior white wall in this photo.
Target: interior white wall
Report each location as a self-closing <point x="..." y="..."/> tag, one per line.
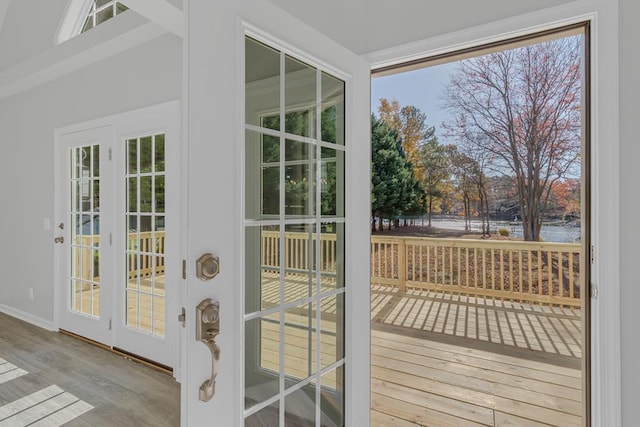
<point x="629" y="210"/>
<point x="31" y="42"/>
<point x="151" y="74"/>
<point x="148" y="74"/>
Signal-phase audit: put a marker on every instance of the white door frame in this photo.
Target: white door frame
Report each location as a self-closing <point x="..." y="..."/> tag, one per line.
<point x="604" y="168"/>
<point x="117" y="127"/>
<point x="214" y="118"/>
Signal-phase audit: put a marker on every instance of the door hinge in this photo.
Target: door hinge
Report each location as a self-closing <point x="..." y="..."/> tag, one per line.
<point x="593" y="290"/>
<point x="110" y="154"/>
<point x="182" y="317"/>
<point x="109" y="323"/>
<point x="110" y="239"/>
<point x="592" y="255"/>
<point x="184" y="269"/>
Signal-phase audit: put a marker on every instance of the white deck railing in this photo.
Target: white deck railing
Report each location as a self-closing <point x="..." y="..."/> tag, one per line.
<point x="532" y="272"/>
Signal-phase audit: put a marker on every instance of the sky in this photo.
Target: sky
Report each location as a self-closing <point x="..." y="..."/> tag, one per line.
<point x="421" y="88"/>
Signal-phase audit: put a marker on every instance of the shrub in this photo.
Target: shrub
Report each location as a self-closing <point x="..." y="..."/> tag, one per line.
<point x="503" y="232"/>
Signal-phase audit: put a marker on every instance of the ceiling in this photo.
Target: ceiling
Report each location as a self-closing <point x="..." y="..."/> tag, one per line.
<point x="29" y="27"/>
<point x="366" y="26"/>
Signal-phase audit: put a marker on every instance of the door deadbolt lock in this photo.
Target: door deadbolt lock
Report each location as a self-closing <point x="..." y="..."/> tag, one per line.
<point x="207" y="266"/>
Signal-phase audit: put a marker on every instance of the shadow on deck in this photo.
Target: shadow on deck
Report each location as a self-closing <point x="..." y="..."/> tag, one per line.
<point x="441" y="359"/>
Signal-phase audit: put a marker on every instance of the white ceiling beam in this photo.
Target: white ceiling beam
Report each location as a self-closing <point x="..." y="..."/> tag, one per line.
<point x="4" y="5"/>
<point x="160" y="12"/>
<point x="68" y="57"/>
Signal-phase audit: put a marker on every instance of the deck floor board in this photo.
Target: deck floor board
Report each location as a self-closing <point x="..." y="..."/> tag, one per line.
<point x="451" y="360"/>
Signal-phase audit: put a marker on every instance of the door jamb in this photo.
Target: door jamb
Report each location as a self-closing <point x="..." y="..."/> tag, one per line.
<point x="602" y="16"/>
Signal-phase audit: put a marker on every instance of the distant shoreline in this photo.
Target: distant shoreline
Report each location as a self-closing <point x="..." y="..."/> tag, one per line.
<point x="551" y="232"/>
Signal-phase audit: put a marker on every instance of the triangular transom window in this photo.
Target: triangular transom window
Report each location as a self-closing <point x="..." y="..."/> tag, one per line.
<point x="100" y="11"/>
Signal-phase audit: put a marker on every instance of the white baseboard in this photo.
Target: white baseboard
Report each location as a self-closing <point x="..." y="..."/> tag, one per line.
<point x="27" y="317"/>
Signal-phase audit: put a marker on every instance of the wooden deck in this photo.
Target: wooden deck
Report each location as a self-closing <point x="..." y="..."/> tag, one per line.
<point x="446" y="360"/>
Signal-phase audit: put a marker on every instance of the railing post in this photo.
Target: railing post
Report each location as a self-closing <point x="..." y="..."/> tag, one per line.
<point x="402" y="265"/>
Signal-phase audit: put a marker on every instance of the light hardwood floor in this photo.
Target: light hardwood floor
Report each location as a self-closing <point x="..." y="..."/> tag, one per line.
<point x="121" y="392"/>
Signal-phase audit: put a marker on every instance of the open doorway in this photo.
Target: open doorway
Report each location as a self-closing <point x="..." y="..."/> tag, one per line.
<point x="480" y="213"/>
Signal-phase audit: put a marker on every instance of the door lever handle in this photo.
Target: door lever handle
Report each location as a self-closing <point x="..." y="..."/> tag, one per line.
<point x="208" y="387"/>
<point x="207" y="329"/>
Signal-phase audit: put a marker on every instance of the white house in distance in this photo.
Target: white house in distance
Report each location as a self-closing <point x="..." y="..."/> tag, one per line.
<point x="146" y="122"/>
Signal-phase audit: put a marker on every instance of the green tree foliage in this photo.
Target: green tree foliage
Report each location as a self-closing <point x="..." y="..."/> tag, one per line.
<point x="410" y="123"/>
<point x="300" y="165"/>
<point x="145" y="156"/>
<point x="394" y="190"/>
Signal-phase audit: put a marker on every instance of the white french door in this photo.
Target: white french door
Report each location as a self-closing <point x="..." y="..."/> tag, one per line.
<point x="115" y="281"/>
<point x="287" y="172"/>
<point x="84" y="280"/>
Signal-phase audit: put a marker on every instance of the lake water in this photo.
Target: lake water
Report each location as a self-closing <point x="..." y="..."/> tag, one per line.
<point x="549" y="233"/>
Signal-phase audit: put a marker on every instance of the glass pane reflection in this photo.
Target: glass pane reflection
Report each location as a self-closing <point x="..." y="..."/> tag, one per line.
<point x="332" y="256"/>
<point x="262" y="83"/>
<point x="332" y="109"/>
<point x="300" y="98"/>
<point x="332" y="398"/>
<point x="299" y="343"/>
<point x="332" y="182"/>
<point x="262" y="268"/>
<point x="299" y="189"/>
<point x="300" y="407"/>
<point x="262" y="359"/>
<point x="269" y="416"/>
<point x="300" y="262"/>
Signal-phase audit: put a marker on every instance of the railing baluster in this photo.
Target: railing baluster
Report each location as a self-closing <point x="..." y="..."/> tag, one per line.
<point x="451" y="266"/>
<point x="520" y="274"/>
<point x="413" y="263"/>
<point x="571" y="280"/>
<point x="484" y="268"/>
<point x="529" y="285"/>
<point x="436" y="258"/>
<point x="475" y="267"/>
<point x="501" y="269"/>
<point x="560" y="278"/>
<point x="550" y="271"/>
<point x="511" y="270"/>
<point x="459" y="252"/>
<point x="429" y="264"/>
<point x="402" y="264"/>
<point x="540" y="272"/>
<point x="522" y="269"/>
<point x="493" y="270"/>
<point x="421" y="264"/>
<point x="466" y="257"/>
<point x="335" y="252"/>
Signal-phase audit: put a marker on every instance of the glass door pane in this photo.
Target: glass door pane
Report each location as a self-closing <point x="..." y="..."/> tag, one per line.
<point x="294" y="242"/>
<point x="85" y="230"/>
<point x="145" y="234"/>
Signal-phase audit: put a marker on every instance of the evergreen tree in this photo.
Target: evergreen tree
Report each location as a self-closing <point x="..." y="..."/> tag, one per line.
<point x="393" y="190"/>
